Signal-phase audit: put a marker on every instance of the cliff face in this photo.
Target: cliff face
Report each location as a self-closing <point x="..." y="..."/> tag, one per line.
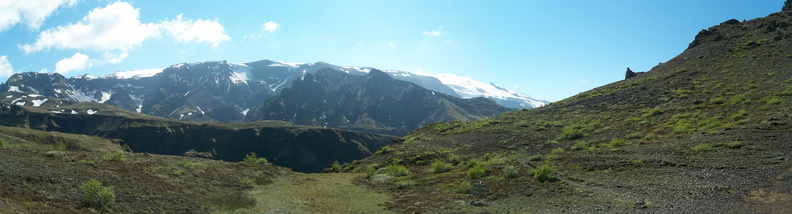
<point x="304" y="149"/>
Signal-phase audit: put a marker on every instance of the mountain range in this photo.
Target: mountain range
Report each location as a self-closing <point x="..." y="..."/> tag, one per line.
<point x="228" y="92"/>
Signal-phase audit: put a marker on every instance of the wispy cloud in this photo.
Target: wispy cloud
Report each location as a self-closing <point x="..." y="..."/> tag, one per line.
<point x="435" y="33"/>
<point x="5" y="67"/>
<point x="269" y="26"/>
<point x="31" y="12"/>
<point x="116" y="29"/>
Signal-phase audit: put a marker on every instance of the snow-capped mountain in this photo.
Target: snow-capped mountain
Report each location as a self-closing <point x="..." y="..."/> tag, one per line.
<point x="447" y="83"/>
<point x="222" y="91"/>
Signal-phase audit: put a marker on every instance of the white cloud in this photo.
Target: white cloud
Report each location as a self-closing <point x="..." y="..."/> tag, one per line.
<point x="435" y="33"/>
<point x="196" y="31"/>
<point x="6" y="70"/>
<point x="116" y="29"/>
<point x="270" y="26"/>
<point x="78" y="62"/>
<point x="31" y="12"/>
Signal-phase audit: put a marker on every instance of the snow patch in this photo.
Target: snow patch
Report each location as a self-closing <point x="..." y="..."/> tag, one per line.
<point x="34" y="95"/>
<point x="57" y="112"/>
<point x="468" y="88"/>
<point x="73" y="111"/>
<point x="91" y="111"/>
<point x="136" y="74"/>
<point x="244" y="112"/>
<point x="9" y="96"/>
<point x="37" y="103"/>
<point x="139" y="108"/>
<point x="105" y="97"/>
<point x="20" y="103"/>
<point x="14" y="89"/>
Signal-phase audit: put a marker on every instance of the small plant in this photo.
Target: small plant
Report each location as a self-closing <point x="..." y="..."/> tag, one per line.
<point x="477" y="172"/>
<point x="465" y="187"/>
<point x="252" y="160"/>
<point x="247" y="182"/>
<point x="544" y="173"/>
<point x="440" y="167"/>
<point x="775" y="101"/>
<point x="718" y="100"/>
<point x="3" y="143"/>
<point x="97" y="195"/>
<point x="89" y="162"/>
<point x="455" y="159"/>
<point x="555" y="153"/>
<point x="397" y="170"/>
<point x="582" y="145"/>
<point x="385" y="150"/>
<point x="615" y="143"/>
<point x="510" y="171"/>
<point x="522" y="124"/>
<point x="114" y="156"/>
<point x="371" y="170"/>
<point x="335" y="167"/>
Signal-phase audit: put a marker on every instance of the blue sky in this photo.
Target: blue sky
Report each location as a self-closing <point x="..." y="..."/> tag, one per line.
<point x="547" y="49"/>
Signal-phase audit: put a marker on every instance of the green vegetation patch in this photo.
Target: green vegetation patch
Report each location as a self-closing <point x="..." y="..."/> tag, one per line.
<point x="96" y="195"/>
<point x="545" y="173"/>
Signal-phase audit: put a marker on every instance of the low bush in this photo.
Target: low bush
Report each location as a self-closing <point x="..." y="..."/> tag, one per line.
<point x="544" y="173"/>
<point x="510" y="171"/>
<point x="96" y="195"/>
<point x="478" y="171"/>
<point x="397" y="170"/>
<point x="114" y="156"/>
<point x="440" y="167"/>
<point x="385" y="150"/>
<point x="247" y="182"/>
<point x="252" y="160"/>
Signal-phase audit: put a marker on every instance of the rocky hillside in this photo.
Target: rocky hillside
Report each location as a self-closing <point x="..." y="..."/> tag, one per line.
<point x="304" y="149"/>
<point x="709" y="131"/>
<point x="374" y="103"/>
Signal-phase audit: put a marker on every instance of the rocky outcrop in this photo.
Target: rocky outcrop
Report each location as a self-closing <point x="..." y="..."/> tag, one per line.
<point x="631" y="74"/>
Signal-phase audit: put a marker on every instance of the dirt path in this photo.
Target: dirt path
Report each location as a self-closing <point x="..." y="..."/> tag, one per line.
<point x="317" y="193"/>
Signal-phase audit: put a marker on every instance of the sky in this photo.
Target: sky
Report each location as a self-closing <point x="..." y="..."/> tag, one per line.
<point x="550" y="50"/>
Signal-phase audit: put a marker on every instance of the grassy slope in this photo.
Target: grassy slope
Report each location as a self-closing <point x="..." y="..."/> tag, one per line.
<point x="706" y="131"/>
<point x="40" y="173"/>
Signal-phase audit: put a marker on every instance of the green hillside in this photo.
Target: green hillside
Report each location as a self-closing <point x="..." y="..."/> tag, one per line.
<point x="707" y="131"/>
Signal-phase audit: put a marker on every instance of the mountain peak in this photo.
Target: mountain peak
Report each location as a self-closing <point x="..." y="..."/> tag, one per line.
<point x="376" y="73"/>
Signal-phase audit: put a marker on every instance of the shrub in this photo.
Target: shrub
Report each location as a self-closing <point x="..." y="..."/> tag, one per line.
<point x="3" y="143"/>
<point x="510" y="171"/>
<point x="455" y="159"/>
<point x="114" y="156"/>
<point x="582" y="145"/>
<point x="572" y="132"/>
<point x="385" y="150"/>
<point x="718" y="100"/>
<point x="477" y="172"/>
<point x="97" y="195"/>
<point x="465" y="187"/>
<point x="371" y="170"/>
<point x="247" y="182"/>
<point x="535" y="158"/>
<point x="335" y="167"/>
<point x="775" y="101"/>
<point x="522" y="124"/>
<point x="440" y="167"/>
<point x="544" y="173"/>
<point x="252" y="160"/>
<point x="472" y="163"/>
<point x="557" y="152"/>
<point x="397" y="170"/>
<point x="615" y="143"/>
